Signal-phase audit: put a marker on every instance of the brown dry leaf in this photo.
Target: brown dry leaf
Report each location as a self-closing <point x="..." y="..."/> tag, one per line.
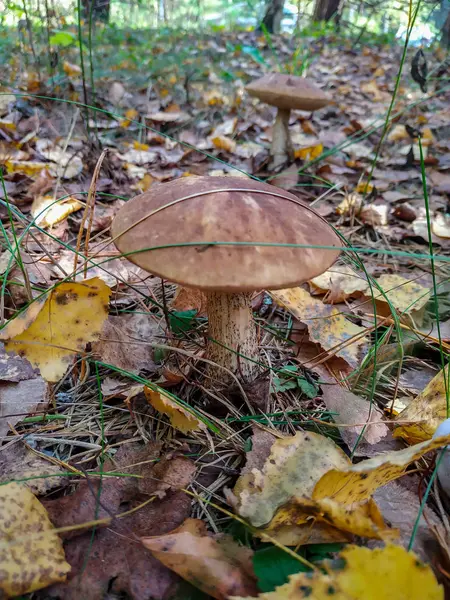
<point x="115" y="560"/>
<point x="47" y="212"/>
<point x="407" y="297"/>
<point x="126" y="342"/>
<point x="398" y="133"/>
<point x="49" y="333"/>
<point x="389" y="573"/>
<point x="181" y="418"/>
<point x="326" y="325"/>
<point x="31" y="554"/>
<point x="372" y="88"/>
<point x="339" y="283"/>
<point x="189" y="299"/>
<point x="18" y="463"/>
<point x="358" y="482"/>
<point x="426" y="411"/>
<point x="217" y="566"/>
<point x="374" y="214"/>
<point x="260" y="492"/>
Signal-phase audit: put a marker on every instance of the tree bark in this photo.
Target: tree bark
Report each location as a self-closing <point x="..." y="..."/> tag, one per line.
<point x="100" y="10"/>
<point x="325" y="10"/>
<point x="273" y="16"/>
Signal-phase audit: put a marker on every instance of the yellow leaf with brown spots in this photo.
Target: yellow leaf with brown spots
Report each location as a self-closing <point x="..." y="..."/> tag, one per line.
<point x="363" y="519"/>
<point x="426" y="411"/>
<point x="389" y="573"/>
<point x="47" y="211"/>
<point x="25" y="167"/>
<point x="293" y="467"/>
<point x="339" y="283"/>
<point x="358" y="482"/>
<point x="51" y="331"/>
<point x="326" y="325"/>
<point x="181" y="418"/>
<point x="31" y="554"/>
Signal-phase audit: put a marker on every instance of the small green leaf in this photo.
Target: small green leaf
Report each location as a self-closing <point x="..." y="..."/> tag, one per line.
<point x="254" y="53"/>
<point x="62" y="38"/>
<point x="307" y="387"/>
<point x="182" y="321"/>
<point x="273" y="566"/>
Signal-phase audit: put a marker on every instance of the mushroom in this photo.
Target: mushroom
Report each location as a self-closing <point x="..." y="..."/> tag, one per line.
<point x="229" y="237"/>
<point x="285" y="92"/>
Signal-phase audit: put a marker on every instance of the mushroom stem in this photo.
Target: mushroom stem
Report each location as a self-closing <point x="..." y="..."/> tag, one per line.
<point x="281" y="148"/>
<point x="232" y="335"/>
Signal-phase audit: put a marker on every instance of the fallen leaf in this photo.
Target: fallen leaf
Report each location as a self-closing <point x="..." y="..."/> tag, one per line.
<point x="24" y="167"/>
<point x="339" y="283"/>
<point x="372" y="88"/>
<point x="374" y="214"/>
<point x="47" y="211"/>
<point x="5" y="101"/>
<point x="326" y="325"/>
<point x="216" y="565"/>
<point x="440" y="225"/>
<point x="51" y="331"/>
<point x="390" y="573"/>
<point x="72" y="71"/>
<point x="350" y="205"/>
<point x="262" y="491"/>
<point x="223" y="143"/>
<point x="138" y="157"/>
<point x="426" y="411"/>
<point x="31" y="554"/>
<point x="358" y="482"/>
<point x="169" y="117"/>
<point x="189" y="299"/>
<point x="181" y="418"/>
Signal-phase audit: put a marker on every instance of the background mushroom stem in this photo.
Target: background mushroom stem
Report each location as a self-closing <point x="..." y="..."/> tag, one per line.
<point x="281" y="149"/>
<point x="231" y="330"/>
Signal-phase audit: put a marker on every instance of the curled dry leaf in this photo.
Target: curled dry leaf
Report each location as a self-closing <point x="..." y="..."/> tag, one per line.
<point x="339" y="283"/>
<point x="47" y="212"/>
<point x="31" y="554"/>
<point x="426" y="411"/>
<point x="52" y="330"/>
<point x="358" y="482"/>
<point x="181" y="418"/>
<point x="390" y="573"/>
<point x="216" y="565"/>
<point x="326" y="325"/>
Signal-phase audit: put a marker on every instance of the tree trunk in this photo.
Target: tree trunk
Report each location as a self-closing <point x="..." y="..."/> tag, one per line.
<point x="100" y="10"/>
<point x="325" y="10"/>
<point x="273" y="16"/>
<point x="445" y="33"/>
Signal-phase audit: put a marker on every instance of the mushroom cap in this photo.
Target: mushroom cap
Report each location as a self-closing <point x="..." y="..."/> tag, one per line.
<point x="288" y="91"/>
<point x="224" y="209"/>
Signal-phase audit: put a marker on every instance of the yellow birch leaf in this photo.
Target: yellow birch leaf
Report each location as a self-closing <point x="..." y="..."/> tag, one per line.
<point x="358" y="482"/>
<point x="25" y="167"/>
<point x="363" y="519"/>
<point x="364" y="188"/>
<point x="261" y="492"/>
<point x="130" y="115"/>
<point x="326" y="325"/>
<point x="341" y="282"/>
<point x="389" y="573"/>
<point x="31" y="554"/>
<point x="180" y="417"/>
<point x="49" y="333"/>
<point x="309" y="153"/>
<point x="47" y="212"/>
<point x="427" y="410"/>
<point x="223" y="143"/>
<point x="405" y="296"/>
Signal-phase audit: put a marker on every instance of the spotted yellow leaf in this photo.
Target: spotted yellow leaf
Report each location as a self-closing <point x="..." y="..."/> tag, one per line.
<point x="426" y="411"/>
<point x="309" y="152"/>
<point x="51" y="331"/>
<point x="47" y="211"/>
<point x="326" y="325"/>
<point x="389" y="573"/>
<point x="180" y="418"/>
<point x="31" y="554"/>
<point x="25" y="167"/>
<point x="358" y="482"/>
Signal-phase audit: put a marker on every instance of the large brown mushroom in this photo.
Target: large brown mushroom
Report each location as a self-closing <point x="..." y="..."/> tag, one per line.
<point x="286" y="92"/>
<point x="229" y="237"/>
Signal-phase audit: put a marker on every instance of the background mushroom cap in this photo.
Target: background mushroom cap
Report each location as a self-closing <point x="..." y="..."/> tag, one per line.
<point x="224" y="209"/>
<point x="288" y="91"/>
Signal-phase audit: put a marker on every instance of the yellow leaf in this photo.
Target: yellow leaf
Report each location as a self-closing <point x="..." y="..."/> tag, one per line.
<point x="31" y="554"/>
<point x="326" y="325"/>
<point x="398" y="133"/>
<point x="358" y="482"/>
<point x="144" y="184"/>
<point x="223" y="143"/>
<point x="389" y="573"/>
<point x="9" y="125"/>
<point x="261" y="492"/>
<point x="372" y="88"/>
<point x="71" y="70"/>
<point x="427" y="410"/>
<point x="172" y="79"/>
<point x="309" y="153"/>
<point x="25" y="167"/>
<point x="180" y="417"/>
<point x="351" y="204"/>
<point x="362" y="519"/>
<point x="218" y="567"/>
<point x="49" y="333"/>
<point x="139" y="146"/>
<point x="407" y="297"/>
<point x="364" y="188"/>
<point x="130" y="115"/>
<point x="340" y="283"/>
<point x="47" y="212"/>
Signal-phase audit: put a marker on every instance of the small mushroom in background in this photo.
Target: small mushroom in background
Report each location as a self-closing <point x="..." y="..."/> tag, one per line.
<point x="166" y="231"/>
<point x="286" y="92"/>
